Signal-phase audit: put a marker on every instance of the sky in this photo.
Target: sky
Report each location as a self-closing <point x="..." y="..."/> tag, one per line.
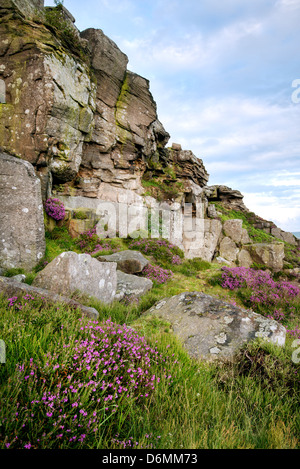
<point x="225" y="76"/>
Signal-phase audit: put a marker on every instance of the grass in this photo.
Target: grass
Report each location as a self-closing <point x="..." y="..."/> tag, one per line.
<point x="252" y="403"/>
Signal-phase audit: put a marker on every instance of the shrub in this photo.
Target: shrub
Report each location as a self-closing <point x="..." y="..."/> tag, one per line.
<point x="157" y="274"/>
<point x="160" y="249"/>
<point x="279" y="300"/>
<point x="90" y="243"/>
<point x="55" y="209"/>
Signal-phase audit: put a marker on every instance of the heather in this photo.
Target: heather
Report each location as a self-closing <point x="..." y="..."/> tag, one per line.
<point x="55" y="209"/>
<point x="161" y="250"/>
<point x="257" y="289"/>
<point x="64" y="397"/>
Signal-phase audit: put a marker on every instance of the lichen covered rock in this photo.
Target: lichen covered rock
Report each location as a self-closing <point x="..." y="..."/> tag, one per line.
<point x="22" y="233"/>
<point x="211" y="329"/>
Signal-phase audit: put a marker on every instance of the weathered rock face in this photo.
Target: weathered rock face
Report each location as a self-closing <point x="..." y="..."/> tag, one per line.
<point x="82" y="125"/>
<point x="270" y="255"/>
<point x="233" y="199"/>
<point x="49" y="102"/>
<point x="22" y="234"/>
<point x="70" y="272"/>
<point x="211" y="329"/>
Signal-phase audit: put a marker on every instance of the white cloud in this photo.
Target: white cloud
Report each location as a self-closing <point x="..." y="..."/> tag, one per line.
<point x="274" y="209"/>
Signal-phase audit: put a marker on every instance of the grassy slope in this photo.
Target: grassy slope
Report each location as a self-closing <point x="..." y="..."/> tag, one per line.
<point x="251" y="404"/>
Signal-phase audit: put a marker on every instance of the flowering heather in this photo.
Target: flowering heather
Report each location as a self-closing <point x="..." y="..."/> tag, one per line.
<point x="63" y="401"/>
<point x="275" y="299"/>
<point x="55" y="209"/>
<point x="160" y="249"/>
<point x="157" y="274"/>
<point x="90" y="243"/>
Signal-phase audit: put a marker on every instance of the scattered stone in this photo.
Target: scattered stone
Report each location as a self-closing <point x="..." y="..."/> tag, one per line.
<point x="130" y="262"/>
<point x="71" y="272"/>
<point x="221" y="260"/>
<point x="19" y="278"/>
<point x="211" y="329"/>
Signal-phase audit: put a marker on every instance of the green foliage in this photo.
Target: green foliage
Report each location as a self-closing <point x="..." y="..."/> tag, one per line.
<point x="191" y="267"/>
<point x="256" y="235"/>
<point x="56" y="21"/>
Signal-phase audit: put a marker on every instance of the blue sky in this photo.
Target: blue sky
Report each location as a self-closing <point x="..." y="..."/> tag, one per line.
<point x="226" y="80"/>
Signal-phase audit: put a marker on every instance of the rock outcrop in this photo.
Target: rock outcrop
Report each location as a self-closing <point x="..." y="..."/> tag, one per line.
<point x="129" y="285"/>
<point x="211" y="329"/>
<point x="22" y="233"/>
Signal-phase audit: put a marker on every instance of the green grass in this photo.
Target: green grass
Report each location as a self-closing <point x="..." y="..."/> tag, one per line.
<point x="252" y="403"/>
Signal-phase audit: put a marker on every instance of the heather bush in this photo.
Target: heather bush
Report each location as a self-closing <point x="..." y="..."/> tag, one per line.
<point x="55" y="209"/>
<point x="63" y="399"/>
<point x="161" y="250"/>
<point x="90" y="243"/>
<point x="157" y="274"/>
<point x="279" y="300"/>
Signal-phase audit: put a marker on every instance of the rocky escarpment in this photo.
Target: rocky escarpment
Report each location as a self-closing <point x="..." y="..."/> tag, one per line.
<point x="89" y="127"/>
<point x="75" y="111"/>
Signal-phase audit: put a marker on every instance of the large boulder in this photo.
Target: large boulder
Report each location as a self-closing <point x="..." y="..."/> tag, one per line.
<point x="71" y="272"/>
<point x="244" y="258"/>
<point x="284" y="236"/>
<point x="130" y="262"/>
<point x="132" y="285"/>
<point x="211" y="329"/>
<point x="271" y="255"/>
<point x="22" y="234"/>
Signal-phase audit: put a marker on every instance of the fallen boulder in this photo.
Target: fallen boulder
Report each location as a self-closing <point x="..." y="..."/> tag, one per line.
<point x="70" y="272"/>
<point x="131" y="285"/>
<point x="211" y="329"/>
<point x="129" y="262"/>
